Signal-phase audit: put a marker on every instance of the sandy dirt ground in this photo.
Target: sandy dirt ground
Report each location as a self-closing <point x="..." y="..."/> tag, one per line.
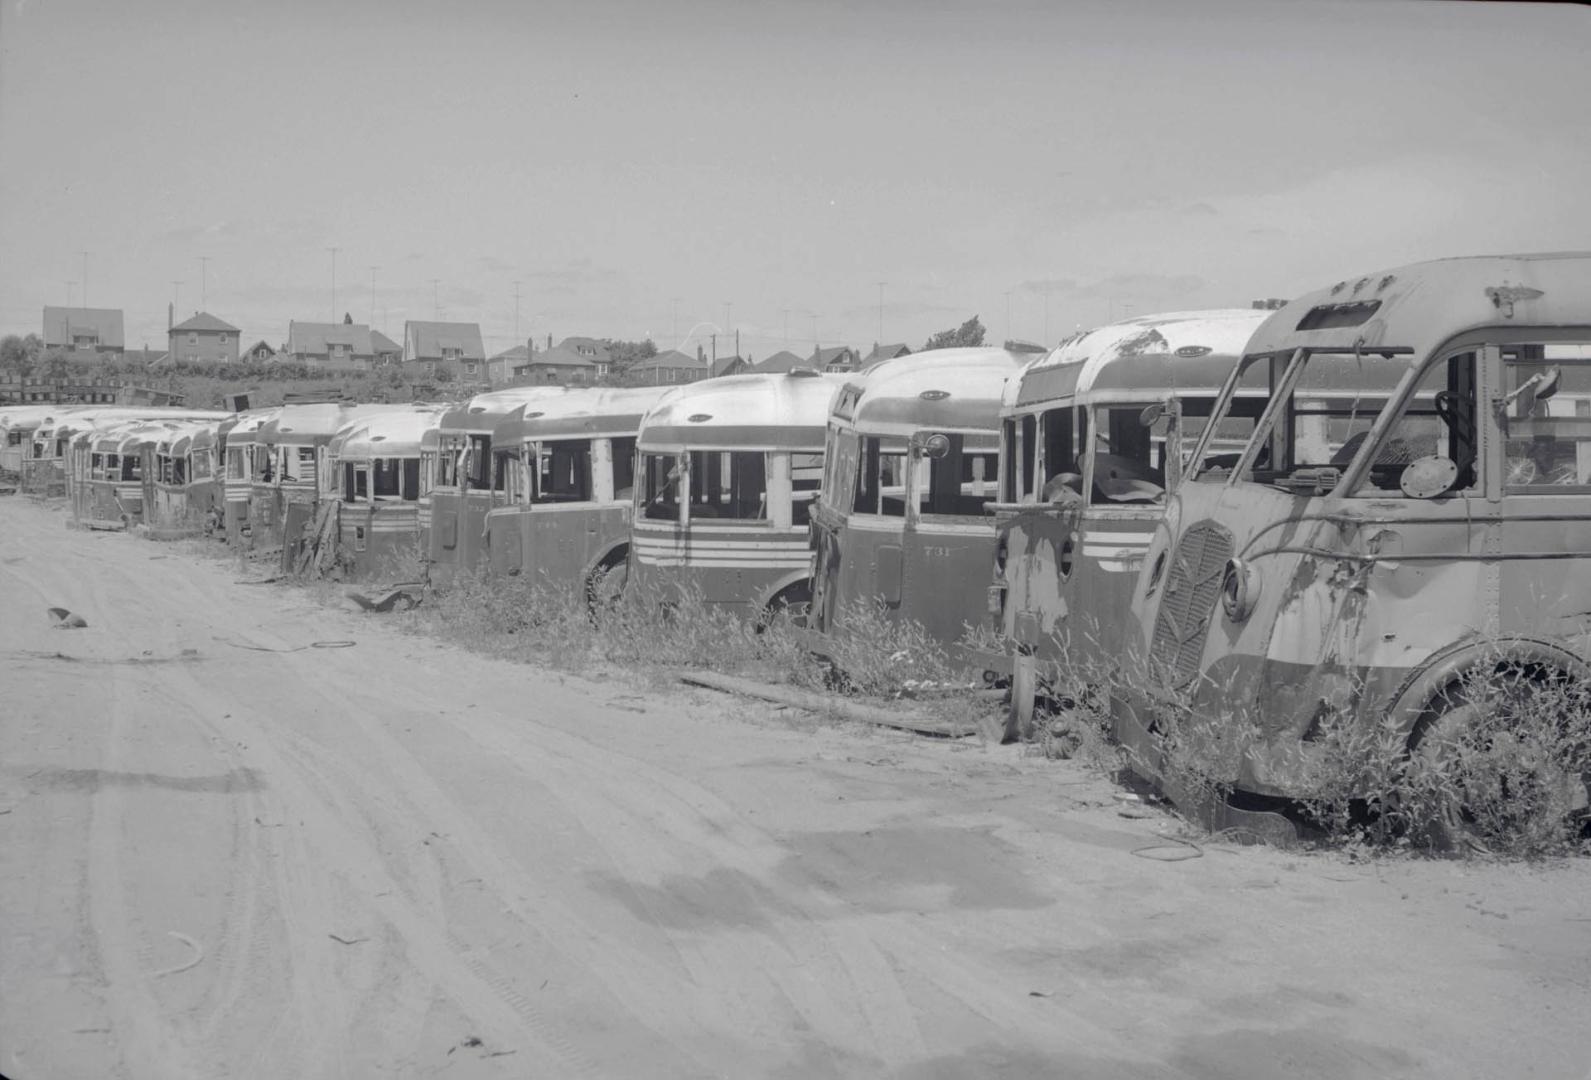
<point x="225" y="852"/>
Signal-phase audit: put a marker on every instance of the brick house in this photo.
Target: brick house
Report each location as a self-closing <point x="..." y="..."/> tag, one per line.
<point x="203" y="339"/>
<point x="338" y="345"/>
<point x="454" y="347"/>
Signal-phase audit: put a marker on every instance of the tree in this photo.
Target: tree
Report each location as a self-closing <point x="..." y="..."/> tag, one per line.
<point x="968" y="335"/>
<point x="625" y="354"/>
<point x="21" y="353"/>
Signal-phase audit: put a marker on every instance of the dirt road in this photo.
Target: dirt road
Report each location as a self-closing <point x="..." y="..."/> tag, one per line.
<point x="225" y="852"/>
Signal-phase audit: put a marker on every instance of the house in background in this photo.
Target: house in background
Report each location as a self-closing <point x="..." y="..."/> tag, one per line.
<point x="730" y="365"/>
<point x="385" y="350"/>
<point x="337" y="345"/>
<point x="453" y="347"/>
<point x="84" y="330"/>
<point x="884" y="352"/>
<point x="667" y="368"/>
<point x="839" y="358"/>
<point x="574" y="361"/>
<point x="203" y="339"/>
<point x="781" y="363"/>
<point x="258" y="353"/>
<point x="500" y="368"/>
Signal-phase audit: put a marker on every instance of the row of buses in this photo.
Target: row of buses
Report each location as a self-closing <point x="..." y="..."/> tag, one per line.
<point x="1344" y="507"/>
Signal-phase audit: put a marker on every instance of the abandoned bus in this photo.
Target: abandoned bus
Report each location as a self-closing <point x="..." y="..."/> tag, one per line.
<point x="912" y="460"/>
<point x="470" y="480"/>
<point x="570" y="479"/>
<point x="377" y="488"/>
<point x="181" y="485"/>
<point x="247" y="460"/>
<point x="729" y="471"/>
<point x="1094" y="435"/>
<point x="283" y="500"/>
<point x="108" y="472"/>
<point x="1430" y="547"/>
<point x="17" y="426"/>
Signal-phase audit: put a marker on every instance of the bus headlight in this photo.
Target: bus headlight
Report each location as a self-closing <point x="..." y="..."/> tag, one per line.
<point x="1240" y="590"/>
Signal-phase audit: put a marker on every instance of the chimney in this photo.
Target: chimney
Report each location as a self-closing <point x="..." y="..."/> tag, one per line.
<point x="701" y="355"/>
<point x="549" y="341"/>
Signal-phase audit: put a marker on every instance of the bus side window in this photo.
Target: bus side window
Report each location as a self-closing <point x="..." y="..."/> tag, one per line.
<point x="806" y="479"/>
<point x="1546" y="418"/>
<point x="1124" y="467"/>
<point x="623" y="454"/>
<point x="1030" y="458"/>
<point x="1059" y="465"/>
<point x="664" y="479"/>
<point x="1438" y="419"/>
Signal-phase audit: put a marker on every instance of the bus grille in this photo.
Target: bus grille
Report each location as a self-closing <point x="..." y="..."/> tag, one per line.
<point x="1192" y="586"/>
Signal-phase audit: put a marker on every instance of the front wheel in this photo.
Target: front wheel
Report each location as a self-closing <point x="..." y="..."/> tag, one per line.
<point x="606" y="586"/>
<point x="1501" y="760"/>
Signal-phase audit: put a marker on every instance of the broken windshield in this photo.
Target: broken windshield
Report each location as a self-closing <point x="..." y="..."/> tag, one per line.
<point x="1318" y="407"/>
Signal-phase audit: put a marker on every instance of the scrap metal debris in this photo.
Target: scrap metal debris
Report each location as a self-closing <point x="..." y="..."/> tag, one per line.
<point x="66" y="620"/>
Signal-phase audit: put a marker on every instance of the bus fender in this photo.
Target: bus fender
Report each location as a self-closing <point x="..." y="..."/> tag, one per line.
<point x="794" y="577"/>
<point x="1449" y="665"/>
<point x="604" y="556"/>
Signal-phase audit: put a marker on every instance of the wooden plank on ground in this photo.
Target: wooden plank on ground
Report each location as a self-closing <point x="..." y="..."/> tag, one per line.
<point x="821" y="703"/>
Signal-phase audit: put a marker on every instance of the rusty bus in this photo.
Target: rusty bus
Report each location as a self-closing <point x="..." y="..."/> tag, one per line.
<point x="912" y="461"/>
<point x="182" y="485"/>
<point x="468" y="480"/>
<point x="1094" y="434"/>
<point x="19" y="425"/>
<point x="284" y="499"/>
<point x="570" y="473"/>
<point x="248" y="461"/>
<point x="1439" y="536"/>
<point x="729" y="469"/>
<point x="377" y="485"/>
<point x="107" y="470"/>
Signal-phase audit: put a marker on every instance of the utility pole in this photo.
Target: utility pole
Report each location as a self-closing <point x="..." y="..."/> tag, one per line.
<point x="204" y="267"/>
<point x="436" y="303"/>
<point x="333" y="283"/>
<point x="176" y="296"/>
<point x="373" y="270"/>
<point x="85" y="278"/>
<point x="516" y="312"/>
<point x="881" y="285"/>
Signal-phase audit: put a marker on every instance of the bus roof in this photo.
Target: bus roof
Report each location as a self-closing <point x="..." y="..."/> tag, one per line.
<point x="581" y="413"/>
<point x="29" y="417"/>
<point x="397" y="433"/>
<point x="315" y="424"/>
<point x="1420" y="306"/>
<point x="755" y="412"/>
<point x="941" y="390"/>
<point x="483" y="411"/>
<point x="245" y="427"/>
<point x="85" y="419"/>
<point x="1148" y="357"/>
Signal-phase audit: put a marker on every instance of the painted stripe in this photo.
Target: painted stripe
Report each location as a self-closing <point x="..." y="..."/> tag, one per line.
<point x="724" y="545"/>
<point x="726" y="564"/>
<point x="1098" y="537"/>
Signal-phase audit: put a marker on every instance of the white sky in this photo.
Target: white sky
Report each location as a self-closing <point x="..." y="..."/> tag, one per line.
<point x="626" y="160"/>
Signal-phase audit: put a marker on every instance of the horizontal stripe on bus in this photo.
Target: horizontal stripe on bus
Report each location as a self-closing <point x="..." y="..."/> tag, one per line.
<point x="1116" y="566"/>
<point x="727" y="564"/>
<point x="1138" y="540"/>
<point x="721" y="546"/>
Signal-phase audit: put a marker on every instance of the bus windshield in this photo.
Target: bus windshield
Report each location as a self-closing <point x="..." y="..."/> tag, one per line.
<point x="1318" y="407"/>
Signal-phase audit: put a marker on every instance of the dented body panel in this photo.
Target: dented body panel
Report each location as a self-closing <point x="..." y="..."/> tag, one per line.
<point x="897" y="526"/>
<point x="1283" y="600"/>
<point x="465" y="482"/>
<point x="1070" y="549"/>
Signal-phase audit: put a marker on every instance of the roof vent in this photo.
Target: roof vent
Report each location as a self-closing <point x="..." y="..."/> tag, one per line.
<point x="803" y="373"/>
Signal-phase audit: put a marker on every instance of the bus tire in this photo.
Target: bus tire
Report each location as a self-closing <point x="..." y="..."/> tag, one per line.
<point x="605" y="585"/>
<point x="790" y="606"/>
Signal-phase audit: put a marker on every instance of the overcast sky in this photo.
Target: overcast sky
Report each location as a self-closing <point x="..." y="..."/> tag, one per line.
<point x="636" y="166"/>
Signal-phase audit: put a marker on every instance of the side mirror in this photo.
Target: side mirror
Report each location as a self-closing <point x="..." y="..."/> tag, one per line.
<point x="936" y="446"/>
<point x="1152" y="414"/>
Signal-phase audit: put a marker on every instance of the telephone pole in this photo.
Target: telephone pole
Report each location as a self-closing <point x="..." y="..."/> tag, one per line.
<point x="204" y="267"/>
<point x="333" y="283"/>
<point x="85" y="277"/>
<point x="373" y="270"/>
<point x="881" y="285"/>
